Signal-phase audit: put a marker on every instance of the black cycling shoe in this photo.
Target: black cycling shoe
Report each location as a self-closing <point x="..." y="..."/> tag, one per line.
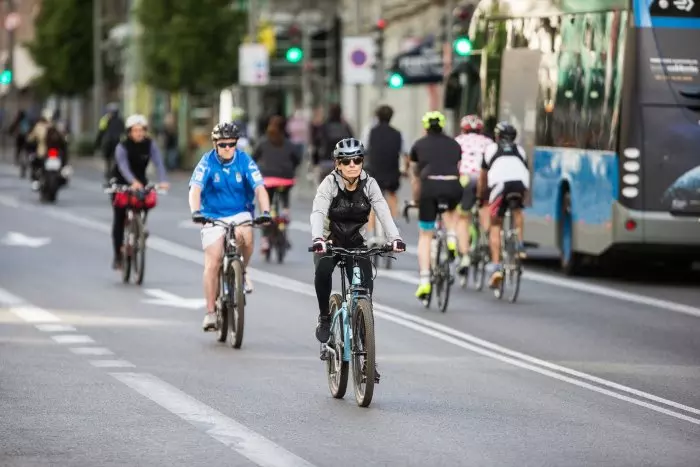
<point x="377" y="376"/>
<point x="323" y="328"/>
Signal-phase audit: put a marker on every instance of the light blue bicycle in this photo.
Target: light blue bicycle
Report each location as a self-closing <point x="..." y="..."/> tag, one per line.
<point x="352" y="329"/>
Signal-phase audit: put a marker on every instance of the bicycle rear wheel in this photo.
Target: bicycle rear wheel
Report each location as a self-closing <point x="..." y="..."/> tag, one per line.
<point x="336" y="368"/>
<point x="281" y="243"/>
<point x="363" y="352"/>
<point x="237" y="300"/>
<point x="443" y="281"/>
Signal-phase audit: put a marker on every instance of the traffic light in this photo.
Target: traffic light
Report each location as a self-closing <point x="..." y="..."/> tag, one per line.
<point x="462" y="46"/>
<point x="461" y="18"/>
<point x="395" y="81"/>
<point x="294" y="53"/>
<point x="379" y="47"/>
<point x="6" y="76"/>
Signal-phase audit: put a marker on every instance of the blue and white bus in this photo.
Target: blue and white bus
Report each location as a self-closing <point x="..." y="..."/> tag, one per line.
<point x="606" y="97"/>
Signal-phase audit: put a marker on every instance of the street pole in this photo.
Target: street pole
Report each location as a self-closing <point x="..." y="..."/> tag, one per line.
<point x="306" y="70"/>
<point x="380" y="68"/>
<point x="253" y="92"/>
<point x="358" y="87"/>
<point x="13" y="105"/>
<point x="97" y="63"/>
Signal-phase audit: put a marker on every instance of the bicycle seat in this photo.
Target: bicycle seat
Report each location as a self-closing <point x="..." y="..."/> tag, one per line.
<point x="442" y="207"/>
<point x="514" y="200"/>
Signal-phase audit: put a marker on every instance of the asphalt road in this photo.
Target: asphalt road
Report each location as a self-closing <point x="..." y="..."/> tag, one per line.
<point x="95" y="372"/>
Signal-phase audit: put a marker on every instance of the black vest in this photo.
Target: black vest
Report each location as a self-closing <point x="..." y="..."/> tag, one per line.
<point x="139" y="155"/>
<point x="385" y="147"/>
<point x="348" y="213"/>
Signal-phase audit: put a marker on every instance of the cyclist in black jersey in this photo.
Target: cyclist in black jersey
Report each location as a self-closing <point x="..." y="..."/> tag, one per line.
<point x="435" y="160"/>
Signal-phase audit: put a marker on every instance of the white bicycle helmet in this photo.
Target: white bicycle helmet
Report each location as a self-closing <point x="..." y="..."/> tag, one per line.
<point x="136" y="119"/>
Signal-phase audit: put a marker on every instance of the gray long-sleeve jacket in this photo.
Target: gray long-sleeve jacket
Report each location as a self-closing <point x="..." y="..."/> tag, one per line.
<point x="328" y="189"/>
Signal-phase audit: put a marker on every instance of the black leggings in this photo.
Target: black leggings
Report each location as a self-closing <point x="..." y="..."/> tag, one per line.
<point x="324" y="277"/>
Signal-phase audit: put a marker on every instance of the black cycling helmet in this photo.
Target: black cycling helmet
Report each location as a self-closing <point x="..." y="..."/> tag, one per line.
<point x="349" y="147"/>
<point x="505" y="132"/>
<point x="225" y="131"/>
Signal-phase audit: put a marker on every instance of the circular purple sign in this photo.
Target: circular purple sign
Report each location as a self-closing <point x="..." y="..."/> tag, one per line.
<point x="358" y="57"/>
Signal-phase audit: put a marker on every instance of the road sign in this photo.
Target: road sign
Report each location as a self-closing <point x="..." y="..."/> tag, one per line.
<point x="253" y="65"/>
<point x="358" y="59"/>
<point x="12" y="21"/>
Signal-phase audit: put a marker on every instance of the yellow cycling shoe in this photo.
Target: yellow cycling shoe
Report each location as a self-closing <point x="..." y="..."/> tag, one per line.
<point x="423" y="291"/>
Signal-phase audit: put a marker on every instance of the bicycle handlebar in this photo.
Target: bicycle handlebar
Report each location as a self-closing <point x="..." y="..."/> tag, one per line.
<point x="116" y="188"/>
<point x="376" y="250"/>
<point x="228" y="225"/>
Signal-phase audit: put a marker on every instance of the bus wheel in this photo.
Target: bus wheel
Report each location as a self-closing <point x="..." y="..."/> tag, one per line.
<point x="570" y="260"/>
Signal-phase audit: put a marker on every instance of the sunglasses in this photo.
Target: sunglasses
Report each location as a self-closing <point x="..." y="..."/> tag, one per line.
<point x="356" y="160"/>
<point x="226" y="145"/>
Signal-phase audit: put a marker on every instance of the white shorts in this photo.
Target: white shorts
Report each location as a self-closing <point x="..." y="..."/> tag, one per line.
<point x="212" y="233"/>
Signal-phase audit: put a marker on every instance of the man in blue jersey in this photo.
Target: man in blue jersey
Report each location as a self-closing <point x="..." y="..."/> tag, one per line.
<point x="224" y="186"/>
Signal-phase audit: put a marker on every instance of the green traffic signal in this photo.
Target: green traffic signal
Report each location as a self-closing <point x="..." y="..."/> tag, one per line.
<point x="462" y="46"/>
<point x="294" y="55"/>
<point x="6" y="77"/>
<point x="395" y="81"/>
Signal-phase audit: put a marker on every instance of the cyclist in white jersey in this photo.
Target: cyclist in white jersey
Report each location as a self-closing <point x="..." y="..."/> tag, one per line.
<point x="504" y="174"/>
<point x="473" y="144"/>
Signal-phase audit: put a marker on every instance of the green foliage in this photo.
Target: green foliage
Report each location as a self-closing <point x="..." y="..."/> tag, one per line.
<point x="62" y="47"/>
<point x="190" y="45"/>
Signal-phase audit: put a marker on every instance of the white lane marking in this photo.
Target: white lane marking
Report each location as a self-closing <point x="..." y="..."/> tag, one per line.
<point x="401" y="276"/>
<point x="565" y="283"/>
<point x="8" y="299"/>
<point x="19" y="239"/>
<point x="55" y="328"/>
<point x="163" y="298"/>
<point x="408" y="320"/>
<point x="239" y="438"/>
<point x="612" y="293"/>
<point x="91" y="351"/>
<point x="32" y="314"/>
<point x="111" y="364"/>
<point x="72" y="339"/>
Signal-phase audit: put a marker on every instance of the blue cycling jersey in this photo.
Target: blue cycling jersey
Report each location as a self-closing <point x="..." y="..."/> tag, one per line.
<point x="227" y="189"/>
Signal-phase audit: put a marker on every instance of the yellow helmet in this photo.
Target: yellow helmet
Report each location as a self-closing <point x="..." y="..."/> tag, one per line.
<point x="433" y="118"/>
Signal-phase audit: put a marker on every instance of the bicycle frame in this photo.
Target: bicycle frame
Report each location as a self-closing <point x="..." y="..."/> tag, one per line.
<point x="344" y="315"/>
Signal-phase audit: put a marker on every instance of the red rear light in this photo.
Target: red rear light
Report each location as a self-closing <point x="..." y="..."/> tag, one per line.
<point x="53" y="153"/>
<point x="630" y="225"/>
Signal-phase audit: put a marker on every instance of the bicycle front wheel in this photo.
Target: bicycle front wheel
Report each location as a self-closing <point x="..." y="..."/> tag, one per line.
<point x="363" y="352"/>
<point x="236" y="292"/>
<point x="336" y="368"/>
<point x="139" y="250"/>
<point x="127" y="251"/>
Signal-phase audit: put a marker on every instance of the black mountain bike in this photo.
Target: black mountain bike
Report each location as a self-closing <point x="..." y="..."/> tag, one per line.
<point x="352" y="329"/>
<point x="441" y="276"/>
<point x="230" y="302"/>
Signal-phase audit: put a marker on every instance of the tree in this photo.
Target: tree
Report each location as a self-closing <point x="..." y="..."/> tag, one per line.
<point x="190" y="45"/>
<point x="62" y="47"/>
